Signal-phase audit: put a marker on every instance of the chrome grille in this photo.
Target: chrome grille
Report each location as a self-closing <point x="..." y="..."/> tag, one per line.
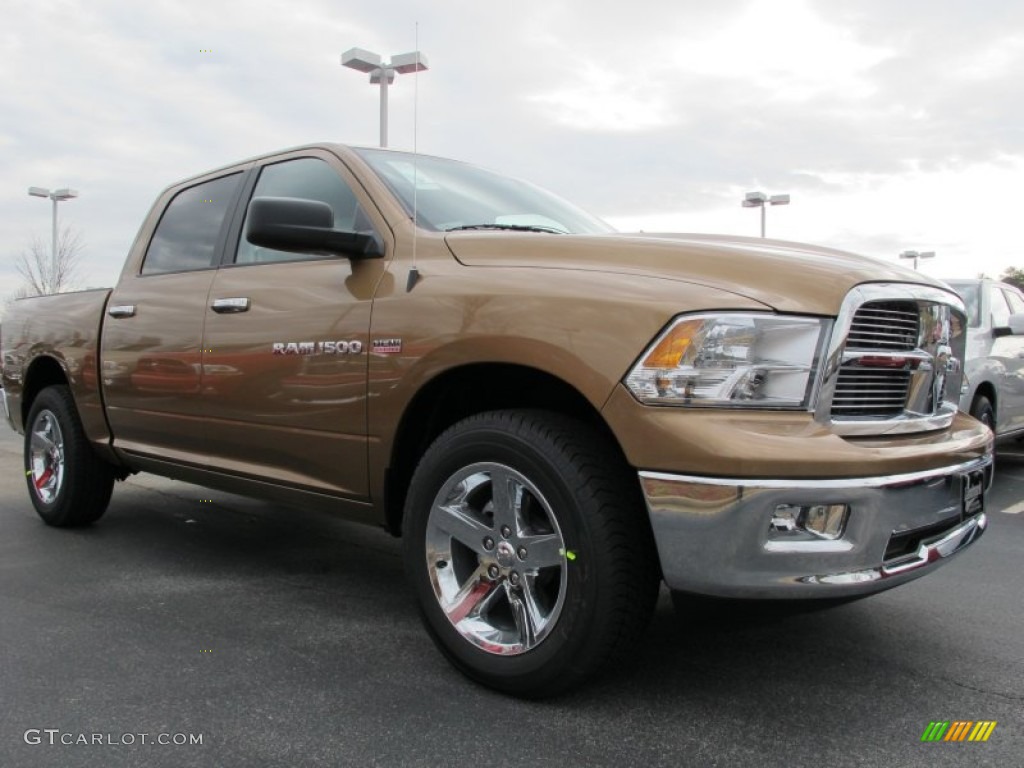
<point x="893" y="365"/>
<point x="885" y="325"/>
<point x="868" y="389"/>
<point x="870" y="392"/>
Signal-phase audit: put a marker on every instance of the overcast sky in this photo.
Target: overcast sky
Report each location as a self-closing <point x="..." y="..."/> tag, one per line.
<point x="893" y="125"/>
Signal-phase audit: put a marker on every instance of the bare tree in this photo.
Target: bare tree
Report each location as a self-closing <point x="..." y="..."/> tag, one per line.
<point x="41" y="273"/>
<point x="1014" y="276"/>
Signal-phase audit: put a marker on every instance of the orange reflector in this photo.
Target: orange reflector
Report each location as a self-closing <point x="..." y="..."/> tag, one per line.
<point x="670" y="350"/>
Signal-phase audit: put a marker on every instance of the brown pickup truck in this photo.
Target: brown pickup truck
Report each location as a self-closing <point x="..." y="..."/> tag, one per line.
<point x="556" y="417"/>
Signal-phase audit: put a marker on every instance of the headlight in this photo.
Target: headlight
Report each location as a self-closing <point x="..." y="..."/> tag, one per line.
<point x="745" y="360"/>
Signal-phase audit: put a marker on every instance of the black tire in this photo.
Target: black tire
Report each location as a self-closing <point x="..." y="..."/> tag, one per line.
<point x="570" y="483"/>
<point x="983" y="411"/>
<point x="68" y="483"/>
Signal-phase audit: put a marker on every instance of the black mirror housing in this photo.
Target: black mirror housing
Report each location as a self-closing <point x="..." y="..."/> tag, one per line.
<point x="305" y="226"/>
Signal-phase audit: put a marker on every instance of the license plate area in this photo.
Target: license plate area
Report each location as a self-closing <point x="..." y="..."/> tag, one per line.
<point x="972" y="493"/>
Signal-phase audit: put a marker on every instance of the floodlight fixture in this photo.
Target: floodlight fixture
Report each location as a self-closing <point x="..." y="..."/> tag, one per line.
<point x="762" y="201"/>
<point x="360" y="60"/>
<point x="407" y="63"/>
<point x="383" y="74"/>
<point x="917" y="255"/>
<point x="377" y="74"/>
<point x="57" y="196"/>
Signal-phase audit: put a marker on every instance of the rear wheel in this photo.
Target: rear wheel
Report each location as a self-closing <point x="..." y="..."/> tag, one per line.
<point x="983" y="411"/>
<point x="528" y="552"/>
<point x="68" y="483"/>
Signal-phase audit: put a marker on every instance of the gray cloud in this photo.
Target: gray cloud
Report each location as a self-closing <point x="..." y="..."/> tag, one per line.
<point x="116" y="99"/>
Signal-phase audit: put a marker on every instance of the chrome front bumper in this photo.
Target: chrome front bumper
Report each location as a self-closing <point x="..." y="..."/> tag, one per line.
<point x="715" y="535"/>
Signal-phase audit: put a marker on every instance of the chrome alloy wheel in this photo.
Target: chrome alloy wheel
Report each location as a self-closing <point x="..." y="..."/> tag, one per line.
<point x="496" y="558"/>
<point x="46" y="454"/>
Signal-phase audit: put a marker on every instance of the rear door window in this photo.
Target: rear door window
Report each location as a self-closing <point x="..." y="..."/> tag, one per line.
<point x="187" y="235"/>
<point x="1016" y="302"/>
<point x="1000" y="309"/>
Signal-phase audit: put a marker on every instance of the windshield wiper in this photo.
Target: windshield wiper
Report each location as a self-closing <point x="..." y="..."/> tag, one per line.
<point x="513" y="227"/>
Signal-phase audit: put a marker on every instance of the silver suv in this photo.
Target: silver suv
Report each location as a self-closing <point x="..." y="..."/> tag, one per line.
<point x="995" y="354"/>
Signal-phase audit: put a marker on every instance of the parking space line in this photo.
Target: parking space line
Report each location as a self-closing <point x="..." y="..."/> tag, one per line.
<point x="1016" y="509"/>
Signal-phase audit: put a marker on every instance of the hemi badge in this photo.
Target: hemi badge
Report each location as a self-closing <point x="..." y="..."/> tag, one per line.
<point x="387" y="346"/>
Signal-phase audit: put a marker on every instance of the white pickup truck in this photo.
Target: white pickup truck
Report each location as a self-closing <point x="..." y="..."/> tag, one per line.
<point x="994" y="360"/>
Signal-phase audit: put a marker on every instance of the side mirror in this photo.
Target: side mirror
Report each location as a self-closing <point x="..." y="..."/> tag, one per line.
<point x="305" y="226"/>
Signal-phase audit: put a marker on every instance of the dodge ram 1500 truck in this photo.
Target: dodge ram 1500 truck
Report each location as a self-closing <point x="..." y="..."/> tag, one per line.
<point x="556" y="417"/>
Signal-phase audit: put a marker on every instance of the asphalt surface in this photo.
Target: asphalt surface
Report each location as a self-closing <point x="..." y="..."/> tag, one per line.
<point x="285" y="638"/>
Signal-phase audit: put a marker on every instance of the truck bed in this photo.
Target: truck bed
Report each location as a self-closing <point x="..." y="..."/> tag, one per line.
<point x="66" y="328"/>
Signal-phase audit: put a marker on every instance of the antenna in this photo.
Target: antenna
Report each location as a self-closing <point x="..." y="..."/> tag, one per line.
<point x="414" y="273"/>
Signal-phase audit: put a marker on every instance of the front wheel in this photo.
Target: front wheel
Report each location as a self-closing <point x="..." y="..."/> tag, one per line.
<point x="528" y="550"/>
<point x="983" y="411"/>
<point x="68" y="483"/>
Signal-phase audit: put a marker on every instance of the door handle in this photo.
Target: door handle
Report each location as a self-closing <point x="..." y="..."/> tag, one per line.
<point x="234" y="304"/>
<point x="121" y="310"/>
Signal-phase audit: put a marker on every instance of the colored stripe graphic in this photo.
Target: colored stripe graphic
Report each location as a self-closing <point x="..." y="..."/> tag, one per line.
<point x="982" y="730"/>
<point x="958" y="730"/>
<point x="935" y="731"/>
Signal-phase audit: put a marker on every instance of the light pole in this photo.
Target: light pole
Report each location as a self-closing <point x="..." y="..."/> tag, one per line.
<point x="915" y="255"/>
<point x="57" y="196"/>
<point x="761" y="200"/>
<point x="383" y="74"/>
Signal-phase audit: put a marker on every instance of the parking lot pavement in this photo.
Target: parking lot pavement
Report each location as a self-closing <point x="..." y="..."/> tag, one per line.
<point x="285" y="638"/>
<point x="1010" y="467"/>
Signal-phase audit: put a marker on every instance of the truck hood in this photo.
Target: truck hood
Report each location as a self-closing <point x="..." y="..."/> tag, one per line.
<point x="789" y="277"/>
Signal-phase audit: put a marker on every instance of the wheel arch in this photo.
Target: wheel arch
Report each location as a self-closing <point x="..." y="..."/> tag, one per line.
<point x="467" y="390"/>
<point x="43" y="372"/>
<point x="987" y="390"/>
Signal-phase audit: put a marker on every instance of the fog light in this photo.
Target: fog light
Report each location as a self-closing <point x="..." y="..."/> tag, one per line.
<point x="826" y="521"/>
<point x="823" y="521"/>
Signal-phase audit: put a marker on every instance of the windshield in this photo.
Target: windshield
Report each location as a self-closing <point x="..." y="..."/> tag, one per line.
<point x="453" y="195"/>
<point x="970" y="293"/>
